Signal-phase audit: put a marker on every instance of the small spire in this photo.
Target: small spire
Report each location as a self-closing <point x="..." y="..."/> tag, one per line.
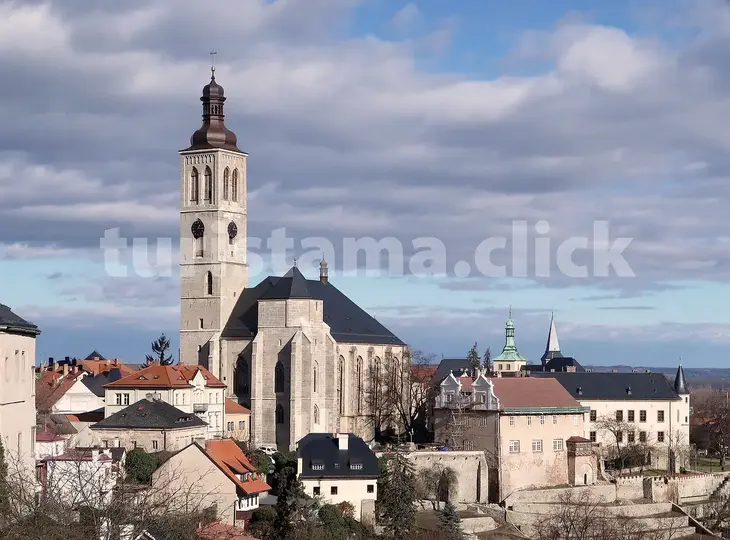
<point x="212" y="64"/>
<point x="295" y="262"/>
<point x="510" y="311"/>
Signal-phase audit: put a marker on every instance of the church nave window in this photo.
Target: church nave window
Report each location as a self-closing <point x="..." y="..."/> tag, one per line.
<point x="279" y="414"/>
<point x="279" y="378"/>
<point x="208" y="186"/>
<point x="234" y="186"/>
<point x="314" y="378"/>
<point x="226" y="179"/>
<point x="316" y="414"/>
<point x="194" y="186"/>
<point x="209" y="283"/>
<point x="359" y="384"/>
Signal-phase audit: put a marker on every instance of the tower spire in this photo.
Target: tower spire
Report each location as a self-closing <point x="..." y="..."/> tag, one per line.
<point x="552" y="348"/>
<point x="213" y="133"/>
<point x="680" y="383"/>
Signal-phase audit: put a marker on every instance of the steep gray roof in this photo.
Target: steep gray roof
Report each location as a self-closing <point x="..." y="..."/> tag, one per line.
<point x="615" y="386"/>
<point x="348" y="322"/>
<point x="95" y="354"/>
<point x="10" y="322"/>
<point x="150" y="414"/>
<point x="292" y="285"/>
<point x="448" y="365"/>
<point x="323" y="449"/>
<point x="680" y="383"/>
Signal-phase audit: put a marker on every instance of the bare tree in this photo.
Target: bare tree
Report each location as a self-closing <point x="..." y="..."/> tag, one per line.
<point x="617" y="432"/>
<point x="88" y="498"/>
<point x="399" y="394"/>
<point x="578" y="516"/>
<point x="712" y="412"/>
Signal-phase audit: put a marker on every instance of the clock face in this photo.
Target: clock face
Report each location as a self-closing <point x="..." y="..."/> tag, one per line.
<point x="197" y="229"/>
<point x="232" y="230"/>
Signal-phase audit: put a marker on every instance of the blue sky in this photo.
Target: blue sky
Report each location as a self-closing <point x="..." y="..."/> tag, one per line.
<point x="376" y="119"/>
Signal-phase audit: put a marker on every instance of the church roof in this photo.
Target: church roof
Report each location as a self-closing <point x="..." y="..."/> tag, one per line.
<point x="292" y="285"/>
<point x="10" y="322"/>
<point x="348" y="322"/>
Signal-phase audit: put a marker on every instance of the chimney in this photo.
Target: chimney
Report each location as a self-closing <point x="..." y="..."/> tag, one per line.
<point x="342" y="440"/>
<point x="115" y="362"/>
<point x="54" y="367"/>
<point x="323" y="272"/>
<point x="65" y="370"/>
<point x="68" y="359"/>
<point x="50" y="360"/>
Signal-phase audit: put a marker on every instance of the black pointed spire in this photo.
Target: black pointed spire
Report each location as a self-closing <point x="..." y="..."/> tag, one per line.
<point x="213" y="133"/>
<point x="680" y="383"/>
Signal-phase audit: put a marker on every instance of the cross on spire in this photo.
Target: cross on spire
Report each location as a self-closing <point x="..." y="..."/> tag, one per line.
<point x="212" y="62"/>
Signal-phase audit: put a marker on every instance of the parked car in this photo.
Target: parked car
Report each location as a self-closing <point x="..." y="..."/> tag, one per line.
<point x="268" y="449"/>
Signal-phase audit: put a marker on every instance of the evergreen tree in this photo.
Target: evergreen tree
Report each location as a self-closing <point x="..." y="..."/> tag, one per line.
<point x="159" y="349"/>
<point x="4" y="492"/>
<point x="397" y="496"/>
<point x="473" y="359"/>
<point x="487" y="360"/>
<point x="451" y="522"/>
<point x="289" y="493"/>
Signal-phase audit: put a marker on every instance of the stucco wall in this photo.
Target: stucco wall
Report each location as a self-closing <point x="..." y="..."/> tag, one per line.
<point x="170" y="440"/>
<point x="17" y="398"/>
<point x="194" y="483"/>
<point x="352" y="491"/>
<point x="470" y="468"/>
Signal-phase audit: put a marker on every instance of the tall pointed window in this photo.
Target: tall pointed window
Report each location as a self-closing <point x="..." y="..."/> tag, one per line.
<point x="194" y="186"/>
<point x="226" y="180"/>
<point x="242" y="377"/>
<point x="208" y="195"/>
<point x="359" y="384"/>
<point x="279" y="377"/>
<point x="341" y="385"/>
<point x="209" y="282"/>
<point x="279" y="414"/>
<point x="314" y="378"/>
<point x="234" y="186"/>
<point x="316" y="414"/>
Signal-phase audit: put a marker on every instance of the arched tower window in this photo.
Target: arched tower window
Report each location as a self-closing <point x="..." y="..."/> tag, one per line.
<point x="316" y="414"/>
<point x="359" y="384"/>
<point x="208" y="193"/>
<point x="209" y="282"/>
<point x="279" y="414"/>
<point x="279" y="377"/>
<point x="234" y="186"/>
<point x="314" y="377"/>
<point x="341" y="385"/>
<point x="226" y="180"/>
<point x="194" y="186"/>
<point x="242" y="377"/>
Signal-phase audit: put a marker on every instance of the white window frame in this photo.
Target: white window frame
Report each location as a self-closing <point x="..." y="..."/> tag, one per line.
<point x="537" y="445"/>
<point x="558" y="445"/>
<point x="514" y="447"/>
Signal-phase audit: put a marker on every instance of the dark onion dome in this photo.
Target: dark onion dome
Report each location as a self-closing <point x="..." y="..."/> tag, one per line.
<point x="213" y="133"/>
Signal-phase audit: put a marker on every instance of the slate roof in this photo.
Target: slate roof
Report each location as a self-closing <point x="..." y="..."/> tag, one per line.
<point x="348" y="322"/>
<point x="614" y="386"/>
<point x="323" y="448"/>
<point x="96" y="383"/>
<point x="95" y="355"/>
<point x="680" y="383"/>
<point x="10" y="322"/>
<point x="446" y="366"/>
<point x="557" y="364"/>
<point x="150" y="414"/>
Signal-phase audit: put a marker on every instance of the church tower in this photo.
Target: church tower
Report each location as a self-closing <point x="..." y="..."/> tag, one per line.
<point x="213" y="269"/>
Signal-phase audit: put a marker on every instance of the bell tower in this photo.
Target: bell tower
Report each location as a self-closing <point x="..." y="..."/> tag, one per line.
<point x="213" y="228"/>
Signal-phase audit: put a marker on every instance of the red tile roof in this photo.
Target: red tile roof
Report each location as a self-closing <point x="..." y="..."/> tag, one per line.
<point x="531" y="393"/>
<point x="233" y="407"/>
<point x="91" y="416"/>
<point x="50" y="387"/>
<point x="157" y="376"/>
<point x="466" y="383"/>
<point x="96" y="366"/>
<point x="47" y="436"/>
<point x="230" y="459"/>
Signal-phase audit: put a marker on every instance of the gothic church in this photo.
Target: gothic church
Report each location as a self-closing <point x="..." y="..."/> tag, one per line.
<point x="297" y="352"/>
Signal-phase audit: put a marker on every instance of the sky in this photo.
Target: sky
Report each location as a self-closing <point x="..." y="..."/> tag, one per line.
<point x="371" y="119"/>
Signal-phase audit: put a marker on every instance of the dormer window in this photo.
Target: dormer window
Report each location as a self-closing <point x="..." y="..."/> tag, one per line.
<point x="356" y="466"/>
<point x="579" y="390"/>
<point x="317" y="466"/>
